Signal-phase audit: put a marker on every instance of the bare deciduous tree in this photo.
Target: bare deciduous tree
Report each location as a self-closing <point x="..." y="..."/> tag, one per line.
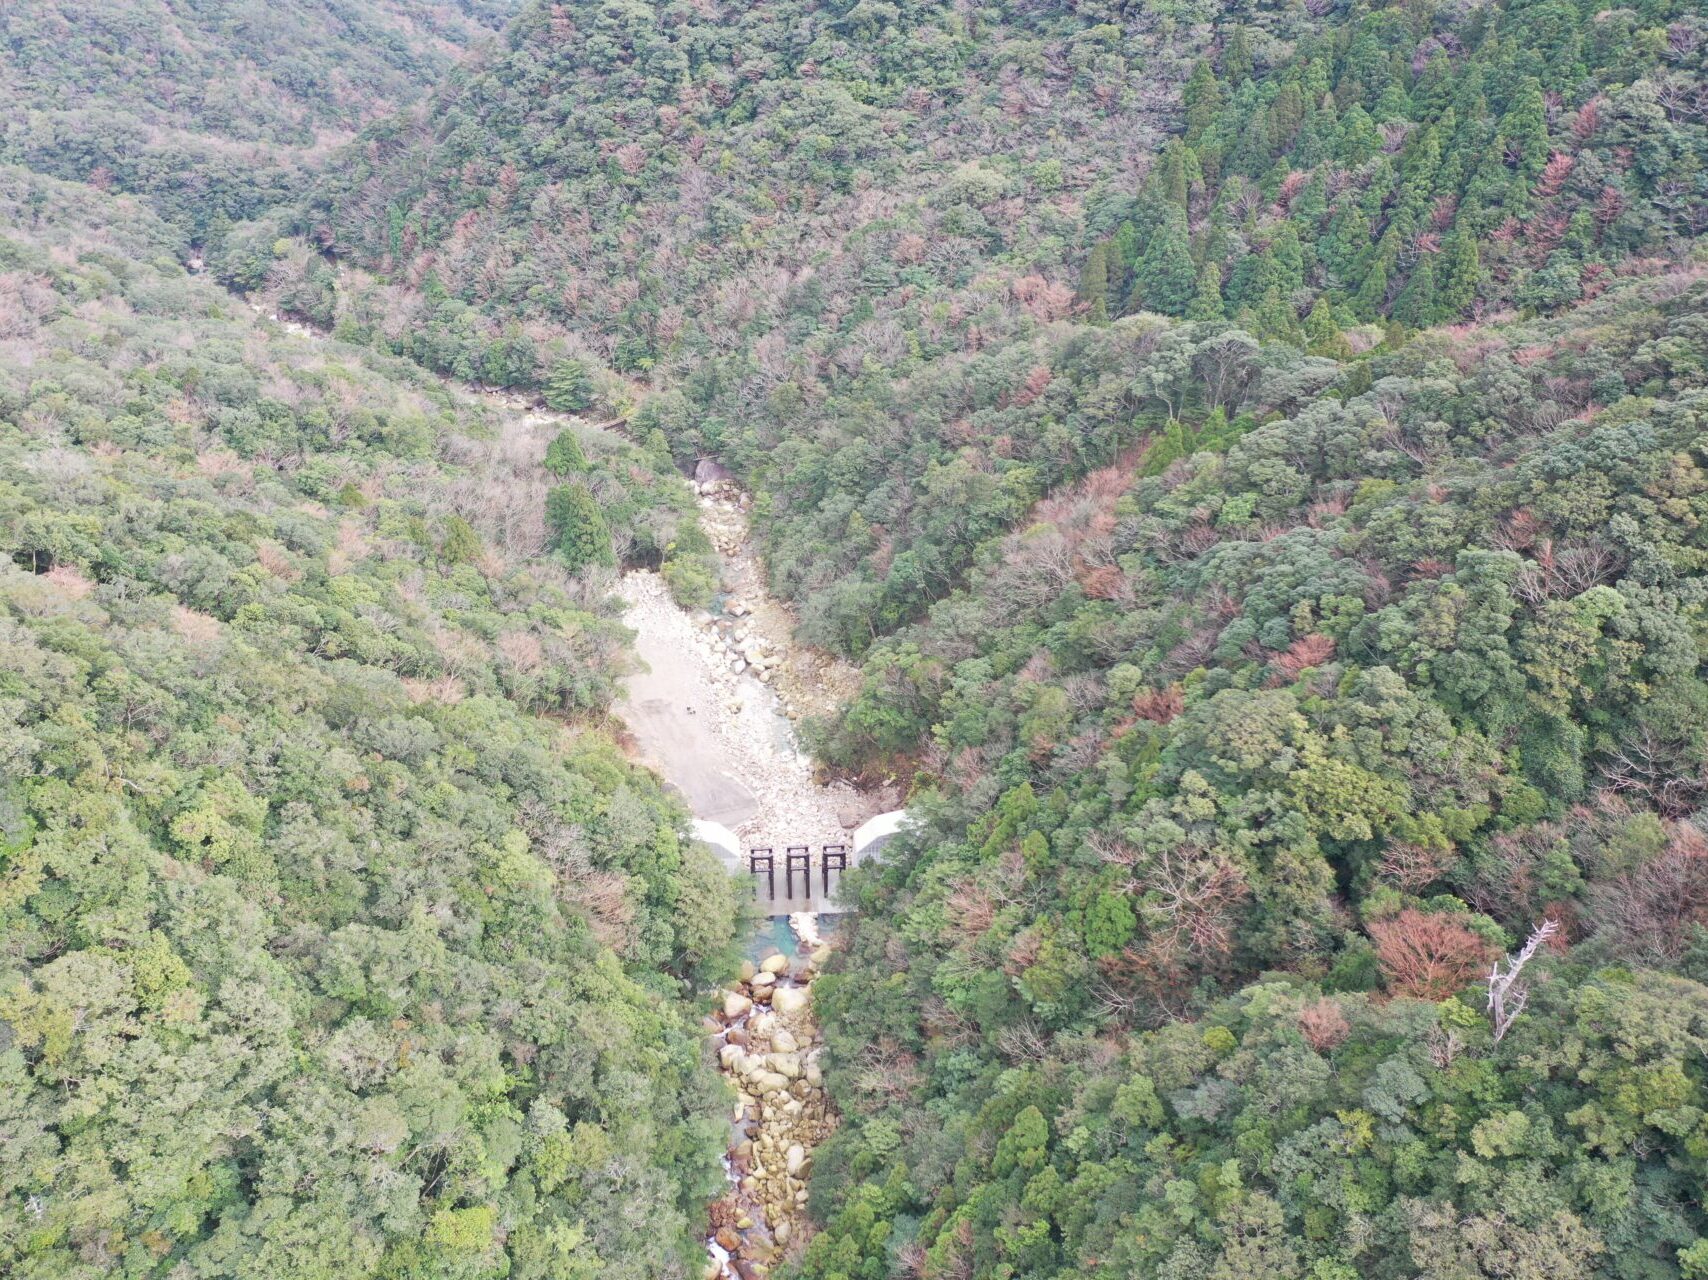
<point x="1652" y="765"/>
<point x="1413" y="866"/>
<point x="1323" y="1024"/>
<point x="1444" y="1045"/>
<point x="1646" y="913"/>
<point x="1427" y="955"/>
<point x="1508" y="995"/>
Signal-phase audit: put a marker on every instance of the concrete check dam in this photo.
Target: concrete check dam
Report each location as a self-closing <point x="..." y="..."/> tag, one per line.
<point x="712" y="710"/>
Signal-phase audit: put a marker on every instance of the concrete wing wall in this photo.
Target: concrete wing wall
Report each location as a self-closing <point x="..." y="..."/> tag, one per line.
<point x="722" y="841"/>
<point x="873" y="835"/>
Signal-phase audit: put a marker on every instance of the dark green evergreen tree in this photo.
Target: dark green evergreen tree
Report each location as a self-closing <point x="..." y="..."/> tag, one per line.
<point x="1348" y="242"/>
<point x="1287" y="256"/>
<point x="459" y="543"/>
<point x="1416" y="304"/>
<point x="1434" y="87"/>
<point x="1171" y="183"/>
<point x="1460" y="275"/>
<point x="1323" y="335"/>
<point x="1236" y="58"/>
<point x="1206" y="301"/>
<point x="1203" y="98"/>
<point x="1523" y="138"/>
<point x="1166" y="278"/>
<point x="1358" y="137"/>
<point x="565" y="456"/>
<point x="1372" y="294"/>
<point x="569" y="389"/>
<point x="1286" y="115"/>
<point x="1276" y="320"/>
<point x="579" y="531"/>
<point x="1094" y="283"/>
<point x="1418" y="170"/>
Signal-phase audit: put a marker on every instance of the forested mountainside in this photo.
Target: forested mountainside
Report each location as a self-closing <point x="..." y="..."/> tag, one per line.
<point x="324" y="952"/>
<point x="844" y="240"/>
<point x="1343" y="707"/>
<point x="211" y="107"/>
<point x="1256" y="453"/>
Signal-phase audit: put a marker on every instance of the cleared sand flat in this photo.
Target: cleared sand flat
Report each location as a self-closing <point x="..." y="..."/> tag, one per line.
<point x="683" y="746"/>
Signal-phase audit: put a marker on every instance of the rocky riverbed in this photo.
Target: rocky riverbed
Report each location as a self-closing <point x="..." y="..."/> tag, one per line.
<point x="768" y="1046"/>
<point x="715" y="712"/>
<point x="754" y="628"/>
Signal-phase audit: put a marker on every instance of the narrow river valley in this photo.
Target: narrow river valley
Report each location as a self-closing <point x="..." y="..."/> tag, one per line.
<point x="714" y="712"/>
<point x="712" y="708"/>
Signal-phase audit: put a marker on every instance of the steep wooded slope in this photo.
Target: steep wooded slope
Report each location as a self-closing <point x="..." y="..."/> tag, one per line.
<point x="211" y="108"/>
<point x="322" y="954"/>
<point x="1344" y="705"/>
<point x="846" y="242"/>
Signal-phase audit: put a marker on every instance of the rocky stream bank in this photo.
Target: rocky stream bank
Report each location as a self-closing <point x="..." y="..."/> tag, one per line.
<point x="768" y="1046"/>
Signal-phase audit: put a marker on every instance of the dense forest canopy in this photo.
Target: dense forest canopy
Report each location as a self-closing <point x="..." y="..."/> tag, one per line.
<point x="1256" y="454"/>
<point x="845" y="241"/>
<point x="324" y="955"/>
<point x="1346" y="705"/>
<point x="212" y="107"/>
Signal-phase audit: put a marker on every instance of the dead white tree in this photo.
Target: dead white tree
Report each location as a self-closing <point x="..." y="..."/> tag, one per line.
<point x="1507" y="995"/>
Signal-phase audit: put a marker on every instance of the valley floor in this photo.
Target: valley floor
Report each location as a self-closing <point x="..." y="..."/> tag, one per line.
<point x="713" y="709"/>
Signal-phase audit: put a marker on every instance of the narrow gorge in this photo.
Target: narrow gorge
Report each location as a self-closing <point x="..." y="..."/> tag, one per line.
<point x="714" y="712"/>
<point x="711" y="706"/>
